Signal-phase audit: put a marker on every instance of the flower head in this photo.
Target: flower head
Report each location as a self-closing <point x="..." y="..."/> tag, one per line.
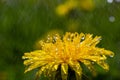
<point x="67" y="52"/>
<point x="68" y="5"/>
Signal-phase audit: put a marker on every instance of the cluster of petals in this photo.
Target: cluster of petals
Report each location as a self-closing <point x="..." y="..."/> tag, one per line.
<point x="68" y="51"/>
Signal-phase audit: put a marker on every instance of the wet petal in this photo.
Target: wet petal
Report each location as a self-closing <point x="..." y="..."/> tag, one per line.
<point x="64" y="71"/>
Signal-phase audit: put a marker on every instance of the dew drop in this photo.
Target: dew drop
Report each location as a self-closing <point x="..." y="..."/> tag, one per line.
<point x="93" y="62"/>
<point x="28" y="69"/>
<point x="99" y="39"/>
<point x="68" y="39"/>
<point x="111" y="56"/>
<point x="56" y="49"/>
<point x="31" y="62"/>
<point x="49" y="39"/>
<point x="72" y="35"/>
<point x="82" y="39"/>
<point x="24" y="57"/>
<point x="55" y="37"/>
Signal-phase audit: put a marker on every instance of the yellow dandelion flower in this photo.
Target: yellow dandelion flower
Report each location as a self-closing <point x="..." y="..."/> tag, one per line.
<point x="69" y="5"/>
<point x="87" y="5"/>
<point x="64" y="9"/>
<point x="67" y="52"/>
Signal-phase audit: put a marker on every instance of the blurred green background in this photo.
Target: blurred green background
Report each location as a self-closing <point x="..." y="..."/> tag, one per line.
<point x="23" y="22"/>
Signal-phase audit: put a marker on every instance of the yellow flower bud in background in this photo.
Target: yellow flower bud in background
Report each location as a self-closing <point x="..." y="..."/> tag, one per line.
<point x="69" y="5"/>
<point x="87" y="5"/>
<point x="64" y="9"/>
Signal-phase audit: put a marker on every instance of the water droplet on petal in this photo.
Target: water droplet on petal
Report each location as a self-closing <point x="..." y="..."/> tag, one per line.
<point x="55" y="37"/>
<point x="56" y="49"/>
<point x="68" y="39"/>
<point x="49" y="38"/>
<point x="24" y="57"/>
<point x="31" y="62"/>
<point x="93" y="62"/>
<point x="28" y="69"/>
<point x="99" y="39"/>
<point x="82" y="39"/>
<point x="111" y="56"/>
